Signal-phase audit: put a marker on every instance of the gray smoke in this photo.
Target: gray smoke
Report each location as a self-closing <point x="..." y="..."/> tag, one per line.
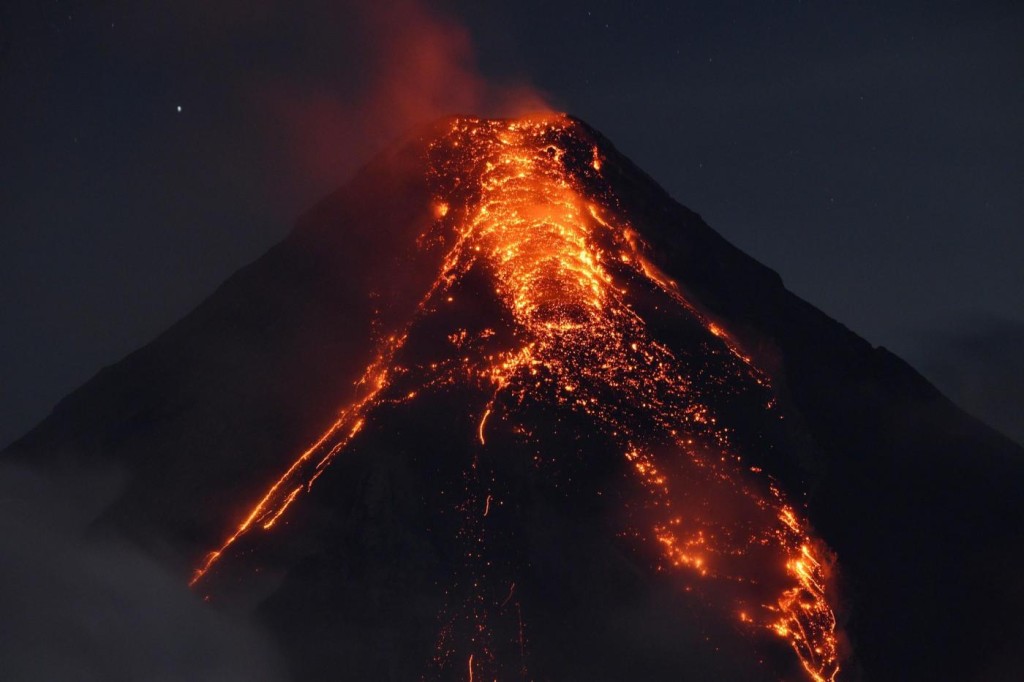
<point x="80" y="604"/>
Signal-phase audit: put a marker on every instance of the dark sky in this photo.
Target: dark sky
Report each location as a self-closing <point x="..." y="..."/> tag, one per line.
<point x="871" y="153"/>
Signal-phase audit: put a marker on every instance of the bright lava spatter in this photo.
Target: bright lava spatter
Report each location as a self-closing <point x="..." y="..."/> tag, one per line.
<point x="568" y="270"/>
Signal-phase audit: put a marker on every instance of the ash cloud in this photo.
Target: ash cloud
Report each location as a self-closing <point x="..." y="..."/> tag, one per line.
<point x="401" y="65"/>
<point x="81" y="603"/>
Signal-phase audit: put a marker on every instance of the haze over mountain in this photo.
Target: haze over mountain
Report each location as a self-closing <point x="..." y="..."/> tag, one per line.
<point x="501" y="406"/>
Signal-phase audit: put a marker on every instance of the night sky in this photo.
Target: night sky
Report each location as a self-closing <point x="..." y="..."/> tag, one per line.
<point x="871" y="154"/>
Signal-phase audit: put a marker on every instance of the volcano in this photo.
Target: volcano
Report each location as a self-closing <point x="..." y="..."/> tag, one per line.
<point x="500" y="408"/>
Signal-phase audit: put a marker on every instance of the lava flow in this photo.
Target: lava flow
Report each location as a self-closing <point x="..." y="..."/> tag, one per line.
<point x="521" y="205"/>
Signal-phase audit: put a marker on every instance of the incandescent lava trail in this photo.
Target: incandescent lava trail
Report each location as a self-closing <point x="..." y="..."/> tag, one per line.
<point x="521" y="205"/>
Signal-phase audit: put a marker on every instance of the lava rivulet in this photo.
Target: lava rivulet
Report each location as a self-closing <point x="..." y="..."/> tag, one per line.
<point x="520" y="204"/>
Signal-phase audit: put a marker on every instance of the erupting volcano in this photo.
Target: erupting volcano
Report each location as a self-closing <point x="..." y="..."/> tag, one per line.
<point x="524" y="219"/>
<point x="501" y="409"/>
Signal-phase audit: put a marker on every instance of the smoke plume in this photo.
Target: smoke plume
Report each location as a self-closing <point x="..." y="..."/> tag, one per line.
<point x="84" y="604"/>
<point x="405" y="65"/>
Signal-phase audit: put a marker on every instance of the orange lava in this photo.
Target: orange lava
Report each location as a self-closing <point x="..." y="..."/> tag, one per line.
<point x="568" y="272"/>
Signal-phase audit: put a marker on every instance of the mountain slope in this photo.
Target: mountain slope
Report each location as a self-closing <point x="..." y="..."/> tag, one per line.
<point x="371" y="574"/>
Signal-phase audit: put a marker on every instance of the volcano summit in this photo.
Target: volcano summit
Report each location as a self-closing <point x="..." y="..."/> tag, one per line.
<point x="502" y="409"/>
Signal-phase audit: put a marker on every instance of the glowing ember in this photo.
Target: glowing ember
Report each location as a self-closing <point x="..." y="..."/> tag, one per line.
<point x="517" y="205"/>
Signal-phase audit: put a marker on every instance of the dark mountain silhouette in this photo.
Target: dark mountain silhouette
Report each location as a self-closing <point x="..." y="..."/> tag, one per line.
<point x="491" y="509"/>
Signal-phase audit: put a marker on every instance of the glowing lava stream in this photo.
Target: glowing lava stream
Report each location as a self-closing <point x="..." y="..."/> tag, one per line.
<point x="571" y="277"/>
